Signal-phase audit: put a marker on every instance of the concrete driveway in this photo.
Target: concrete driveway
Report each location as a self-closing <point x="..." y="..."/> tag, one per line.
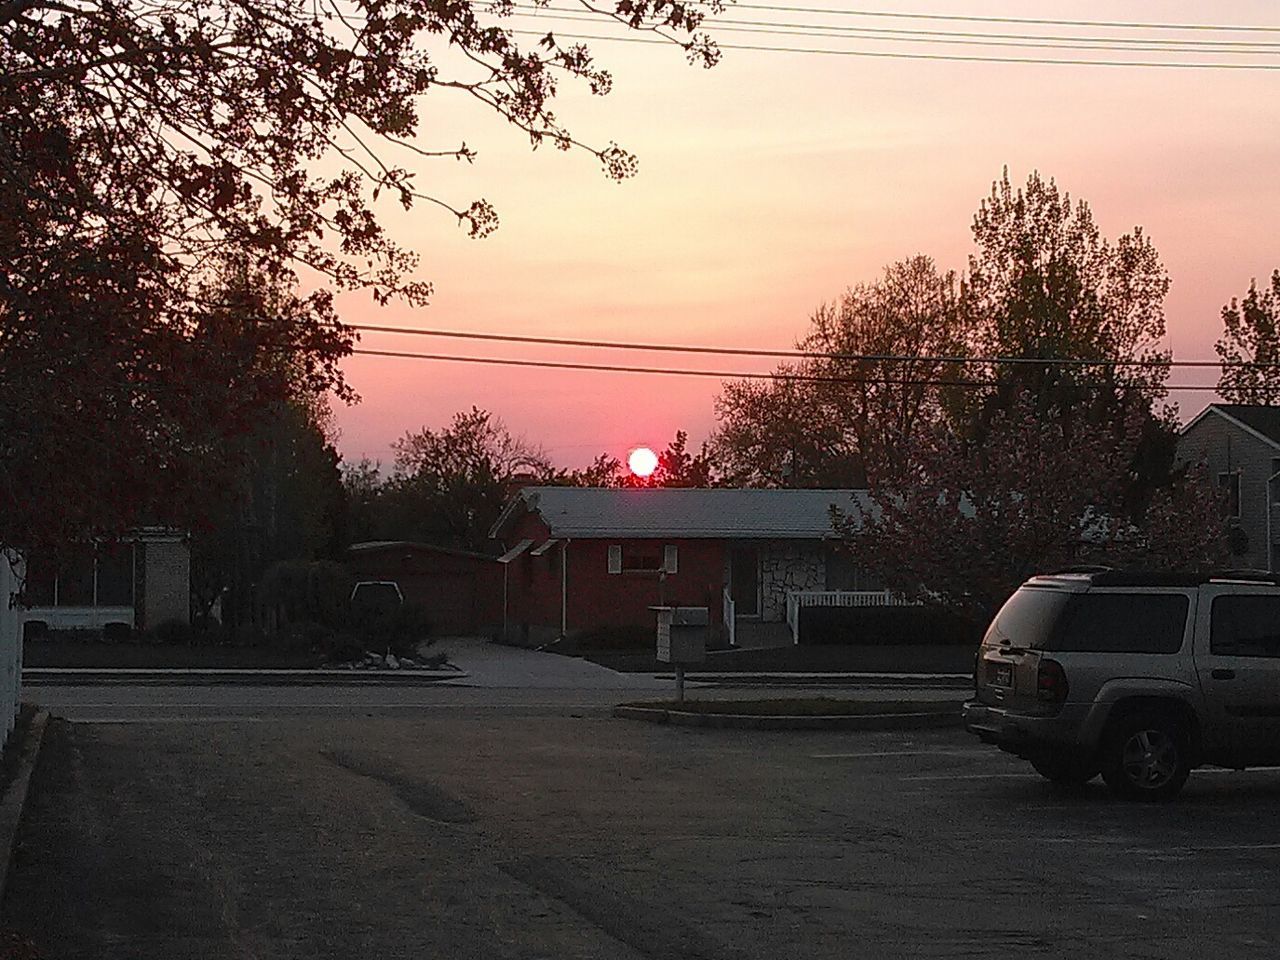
<point x="494" y="665"/>
<point x="511" y="834"/>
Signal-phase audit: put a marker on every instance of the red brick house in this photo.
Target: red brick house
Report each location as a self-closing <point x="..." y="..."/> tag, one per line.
<point x="588" y="559"/>
<point x="461" y="589"/>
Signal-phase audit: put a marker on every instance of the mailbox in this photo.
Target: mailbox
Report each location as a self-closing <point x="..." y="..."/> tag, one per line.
<point x="682" y="634"/>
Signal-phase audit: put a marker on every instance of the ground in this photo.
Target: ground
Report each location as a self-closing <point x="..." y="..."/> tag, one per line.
<point x="500" y="823"/>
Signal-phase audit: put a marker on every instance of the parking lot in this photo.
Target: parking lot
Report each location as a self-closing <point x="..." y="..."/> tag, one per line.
<point x="509" y="834"/>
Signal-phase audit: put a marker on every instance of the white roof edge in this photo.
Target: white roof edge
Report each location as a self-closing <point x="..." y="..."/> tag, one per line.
<point x="515" y="551"/>
<point x="1215" y="408"/>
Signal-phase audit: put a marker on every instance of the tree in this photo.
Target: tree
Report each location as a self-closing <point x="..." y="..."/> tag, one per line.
<point x="1251" y="335"/>
<point x="970" y="520"/>
<point x="141" y="141"/>
<point x="677" y="467"/>
<point x="845" y="410"/>
<point x="1044" y="284"/>
<point x="450" y="485"/>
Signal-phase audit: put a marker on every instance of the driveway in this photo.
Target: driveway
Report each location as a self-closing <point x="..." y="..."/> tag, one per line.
<point x="511" y="834"/>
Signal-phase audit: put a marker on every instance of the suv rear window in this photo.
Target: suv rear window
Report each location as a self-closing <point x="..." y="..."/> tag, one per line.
<point x="1122" y="623"/>
<point x="1027" y="618"/>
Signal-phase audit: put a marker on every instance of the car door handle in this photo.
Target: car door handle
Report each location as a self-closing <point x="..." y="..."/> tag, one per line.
<point x="1221" y="674"/>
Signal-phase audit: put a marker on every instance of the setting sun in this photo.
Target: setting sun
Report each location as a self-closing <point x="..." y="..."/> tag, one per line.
<point x="642" y="461"/>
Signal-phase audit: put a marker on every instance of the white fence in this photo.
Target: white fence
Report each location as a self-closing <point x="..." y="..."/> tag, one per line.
<point x="796" y="599"/>
<point x="10" y="640"/>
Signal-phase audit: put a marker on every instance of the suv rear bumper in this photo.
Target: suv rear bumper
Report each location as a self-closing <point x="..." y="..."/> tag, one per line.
<point x="1024" y="734"/>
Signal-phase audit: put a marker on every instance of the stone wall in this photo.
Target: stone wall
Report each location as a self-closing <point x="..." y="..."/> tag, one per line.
<point x="785" y="566"/>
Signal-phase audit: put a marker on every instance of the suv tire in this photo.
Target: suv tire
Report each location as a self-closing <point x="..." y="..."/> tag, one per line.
<point x="1064" y="768"/>
<point x="1146" y="757"/>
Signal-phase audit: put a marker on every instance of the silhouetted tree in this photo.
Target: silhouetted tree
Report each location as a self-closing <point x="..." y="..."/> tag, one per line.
<point x="1251" y="334"/>
<point x="141" y="141"/>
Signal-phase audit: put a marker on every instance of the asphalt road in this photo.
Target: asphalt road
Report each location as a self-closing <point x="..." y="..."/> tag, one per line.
<point x="522" y="833"/>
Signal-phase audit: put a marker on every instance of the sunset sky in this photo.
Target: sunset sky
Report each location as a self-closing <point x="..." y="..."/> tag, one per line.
<point x="770" y="183"/>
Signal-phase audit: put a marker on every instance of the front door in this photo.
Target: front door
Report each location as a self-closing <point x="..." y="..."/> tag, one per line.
<point x="744" y="580"/>
<point x="1240" y="672"/>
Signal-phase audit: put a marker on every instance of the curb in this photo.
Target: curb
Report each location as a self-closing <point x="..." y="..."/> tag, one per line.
<point x="15" y="798"/>
<point x="92" y="676"/>
<point x="926" y="720"/>
<point x="913" y="681"/>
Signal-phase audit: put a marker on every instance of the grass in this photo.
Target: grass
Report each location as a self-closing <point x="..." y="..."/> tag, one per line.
<point x="800" y="707"/>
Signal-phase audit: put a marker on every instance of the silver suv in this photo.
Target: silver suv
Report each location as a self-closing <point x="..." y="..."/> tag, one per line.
<point x="1137" y="676"/>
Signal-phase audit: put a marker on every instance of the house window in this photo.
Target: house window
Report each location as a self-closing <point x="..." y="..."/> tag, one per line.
<point x="86" y="578"/>
<point x="642" y="558"/>
<point x="1230" y="482"/>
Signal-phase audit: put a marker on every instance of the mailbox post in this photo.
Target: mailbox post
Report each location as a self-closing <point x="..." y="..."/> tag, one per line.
<point x="682" y="639"/>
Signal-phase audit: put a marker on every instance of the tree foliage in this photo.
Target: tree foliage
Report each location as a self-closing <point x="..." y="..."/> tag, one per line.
<point x="1043" y="283"/>
<point x="970" y="520"/>
<point x="844" y="411"/>
<point x="142" y="142"/>
<point x="1251" y="335"/>
<point x="449" y="485"/>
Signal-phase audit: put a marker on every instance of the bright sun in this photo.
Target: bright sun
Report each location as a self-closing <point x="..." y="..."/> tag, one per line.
<point x="642" y="461"/>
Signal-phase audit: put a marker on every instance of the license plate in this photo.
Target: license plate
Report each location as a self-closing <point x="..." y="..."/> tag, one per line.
<point x="1001" y="674"/>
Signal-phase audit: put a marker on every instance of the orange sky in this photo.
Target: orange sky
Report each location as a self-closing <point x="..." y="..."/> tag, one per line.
<point x="772" y="182"/>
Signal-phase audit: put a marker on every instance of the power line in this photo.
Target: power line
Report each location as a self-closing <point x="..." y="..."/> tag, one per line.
<point x="966" y="38"/>
<point x="953" y="58"/>
<point x="728" y="374"/>
<point x="1034" y="21"/>
<point x="799" y="354"/>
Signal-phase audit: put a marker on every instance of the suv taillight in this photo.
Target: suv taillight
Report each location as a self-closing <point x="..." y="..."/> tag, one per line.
<point x="1051" y="682"/>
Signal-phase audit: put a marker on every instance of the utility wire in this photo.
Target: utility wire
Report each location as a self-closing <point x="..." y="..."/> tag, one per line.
<point x="735" y="375"/>
<point x="1035" y="21"/>
<point x="799" y="354"/>
<point x="898" y="55"/>
<point x="1145" y="44"/>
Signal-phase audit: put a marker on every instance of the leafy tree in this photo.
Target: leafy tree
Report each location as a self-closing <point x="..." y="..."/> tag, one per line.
<point x="140" y="141"/>
<point x="605" y="471"/>
<point x="847" y="413"/>
<point x="771" y="434"/>
<point x="1043" y="283"/>
<point x="969" y="521"/>
<point x="450" y="485"/>
<point x="677" y="467"/>
<point x="1251" y="334"/>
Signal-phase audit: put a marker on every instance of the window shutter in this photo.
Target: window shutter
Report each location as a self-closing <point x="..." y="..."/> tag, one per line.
<point x="615" y="558"/>
<point x="670" y="558"/>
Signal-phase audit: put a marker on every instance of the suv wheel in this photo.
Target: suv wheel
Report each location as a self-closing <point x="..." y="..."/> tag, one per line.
<point x="1064" y="768"/>
<point x="1146" y="757"/>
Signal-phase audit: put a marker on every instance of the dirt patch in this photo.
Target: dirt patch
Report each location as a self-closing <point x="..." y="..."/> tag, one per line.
<point x="423" y="799"/>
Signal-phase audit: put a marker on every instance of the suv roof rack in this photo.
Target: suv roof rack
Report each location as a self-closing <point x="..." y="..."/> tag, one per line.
<point x="1101" y="576"/>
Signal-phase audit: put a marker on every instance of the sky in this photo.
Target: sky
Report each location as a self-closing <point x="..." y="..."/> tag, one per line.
<point x="770" y="183"/>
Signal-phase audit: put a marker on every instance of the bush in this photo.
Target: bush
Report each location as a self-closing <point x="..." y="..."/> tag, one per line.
<point x="887" y="626"/>
<point x="117" y="633"/>
<point x="400" y="629"/>
<point x="306" y="591"/>
<point x="171" y="632"/>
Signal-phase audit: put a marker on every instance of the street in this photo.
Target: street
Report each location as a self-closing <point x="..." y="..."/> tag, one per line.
<point x="473" y="822"/>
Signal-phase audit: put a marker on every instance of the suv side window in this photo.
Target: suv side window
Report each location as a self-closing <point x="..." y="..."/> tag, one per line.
<point x="1245" y="626"/>
<point x="1123" y="623"/>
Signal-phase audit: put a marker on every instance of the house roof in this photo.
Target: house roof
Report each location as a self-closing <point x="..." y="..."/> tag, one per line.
<point x="380" y="546"/>
<point x="594" y="512"/>
<point x="1262" y="421"/>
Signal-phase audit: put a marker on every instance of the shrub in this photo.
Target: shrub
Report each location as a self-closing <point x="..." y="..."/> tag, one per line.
<point x="300" y="591"/>
<point x="171" y="632"/>
<point x="400" y="629"/>
<point x="887" y="626"/>
<point x="117" y="633"/>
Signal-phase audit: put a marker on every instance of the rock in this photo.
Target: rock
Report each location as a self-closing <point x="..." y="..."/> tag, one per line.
<point x="407" y="663"/>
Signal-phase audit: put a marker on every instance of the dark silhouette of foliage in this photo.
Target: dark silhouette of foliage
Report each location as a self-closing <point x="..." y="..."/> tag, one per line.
<point x="1251" y="334"/>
